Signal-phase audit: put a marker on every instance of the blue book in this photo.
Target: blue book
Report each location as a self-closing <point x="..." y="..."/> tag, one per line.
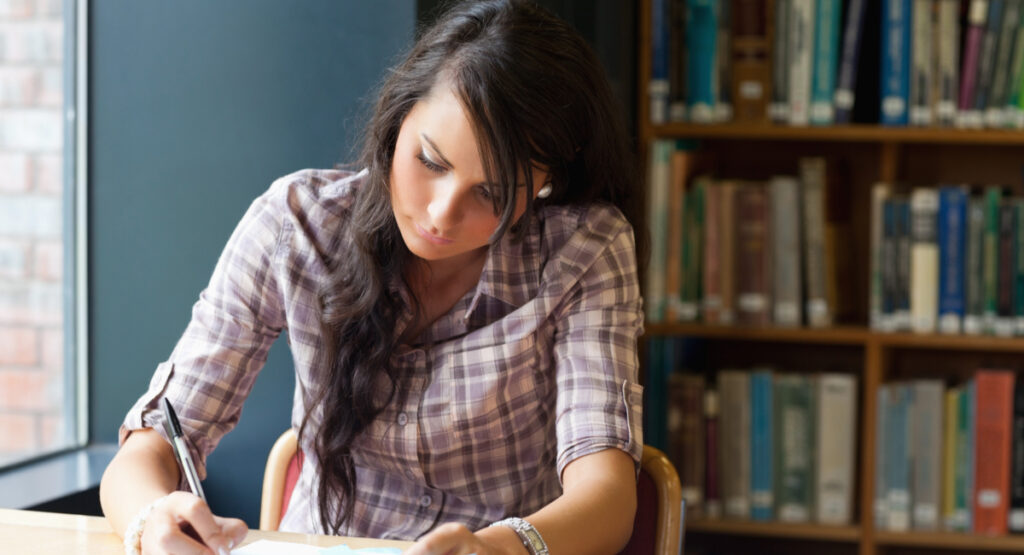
<point x="952" y="258"/>
<point x="702" y="65"/>
<point x="658" y="88"/>
<point x="903" y="246"/>
<point x="762" y="406"/>
<point x="846" y="81"/>
<point x="895" y="90"/>
<point x="890" y="264"/>
<point x="826" y="58"/>
<point x="881" y="489"/>
<point x="897" y="455"/>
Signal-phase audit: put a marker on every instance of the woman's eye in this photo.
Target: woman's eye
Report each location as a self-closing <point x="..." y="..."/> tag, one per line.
<point x="485" y="194"/>
<point x="427" y="163"/>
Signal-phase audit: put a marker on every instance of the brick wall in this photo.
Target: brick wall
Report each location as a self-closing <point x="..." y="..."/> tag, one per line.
<point x="32" y="371"/>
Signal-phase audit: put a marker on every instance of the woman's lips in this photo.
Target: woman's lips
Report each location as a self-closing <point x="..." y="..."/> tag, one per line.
<point x="431" y="237"/>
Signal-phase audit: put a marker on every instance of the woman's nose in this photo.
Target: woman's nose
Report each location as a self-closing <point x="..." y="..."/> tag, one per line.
<point x="444" y="206"/>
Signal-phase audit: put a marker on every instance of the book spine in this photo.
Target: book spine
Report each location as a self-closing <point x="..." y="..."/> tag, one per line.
<point x="927" y="453"/>
<point x="712" y="487"/>
<point x="903" y="266"/>
<point x="712" y="250"/>
<point x="1014" y="116"/>
<point x="881" y="487"/>
<point x="675" y="234"/>
<point x="972" y="442"/>
<point x="726" y="258"/>
<point x="987" y="61"/>
<point x="801" y="60"/>
<point x="963" y="470"/>
<point x="1005" y="322"/>
<point x="658" y="87"/>
<point x="948" y="62"/>
<point x="785" y="218"/>
<point x="976" y="18"/>
<point x="836" y="404"/>
<point x="897" y="454"/>
<point x="890" y="264"/>
<point x="924" y="265"/>
<point x="762" y="500"/>
<point x="780" y="63"/>
<point x="677" y="61"/>
<point x="993" y="442"/>
<point x="794" y="423"/>
<point x="949" y="427"/>
<point x="751" y="61"/>
<point x="812" y="175"/>
<point x="921" y="66"/>
<point x="826" y="58"/>
<point x="753" y="295"/>
<point x="895" y="80"/>
<point x="723" y="78"/>
<point x="702" y="68"/>
<point x="1016" y="518"/>
<point x="693" y="242"/>
<point x="846" y="82"/>
<point x="657" y="213"/>
<point x="995" y="107"/>
<point x="990" y="269"/>
<point x="1018" y="273"/>
<point x="734" y="444"/>
<point x="952" y="246"/>
<point x="879" y="193"/>
<point x="691" y="463"/>
<point x="975" y="297"/>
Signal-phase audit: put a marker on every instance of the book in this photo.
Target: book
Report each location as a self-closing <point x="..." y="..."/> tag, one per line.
<point x="785" y="234"/>
<point x="950" y="416"/>
<point x="995" y="107"/>
<point x="753" y="256"/>
<point x="686" y="440"/>
<point x="987" y="60"/>
<point x="794" y="453"/>
<point x="879" y="193"/>
<point x="897" y="457"/>
<point x="881" y="493"/>
<point x="712" y="251"/>
<point x="846" y="80"/>
<point x="926" y="426"/>
<point x="1014" y="116"/>
<point x="762" y="475"/>
<point x="657" y="221"/>
<point x="952" y="240"/>
<point x="977" y="16"/>
<point x="701" y="63"/>
<point x="734" y="442"/>
<point x="895" y="70"/>
<point x="924" y="264"/>
<point x="658" y="86"/>
<point x="972" y="441"/>
<point x="674" y="234"/>
<point x="726" y="256"/>
<point x="963" y="471"/>
<point x="836" y="400"/>
<point x="801" y="59"/>
<point x="751" y="61"/>
<point x="1018" y="274"/>
<point x="676" y="61"/>
<point x="1016" y="511"/>
<point x="692" y="255"/>
<point x="948" y="60"/>
<point x="890" y="264"/>
<point x="1007" y="266"/>
<point x="990" y="257"/>
<point x="817" y="310"/>
<point x="779" y="108"/>
<point x="712" y="491"/>
<point x="974" y="278"/>
<point x="922" y="59"/>
<point x="903" y="267"/>
<point x="825" y="61"/>
<point x="993" y="440"/>
<point x="723" y="79"/>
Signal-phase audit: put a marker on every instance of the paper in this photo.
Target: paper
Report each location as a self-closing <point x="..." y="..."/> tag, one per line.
<point x="267" y="547"/>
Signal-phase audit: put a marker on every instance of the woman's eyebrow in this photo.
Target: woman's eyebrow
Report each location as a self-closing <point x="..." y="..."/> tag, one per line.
<point x="436" y="150"/>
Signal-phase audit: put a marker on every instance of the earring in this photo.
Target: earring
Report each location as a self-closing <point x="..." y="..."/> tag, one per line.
<point x="544" y="191"/>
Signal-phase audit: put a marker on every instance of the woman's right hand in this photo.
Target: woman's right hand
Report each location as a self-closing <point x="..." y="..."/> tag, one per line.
<point x="183" y="524"/>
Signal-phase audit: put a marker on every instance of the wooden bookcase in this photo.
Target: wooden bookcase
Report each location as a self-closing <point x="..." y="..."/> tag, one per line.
<point x="907" y="156"/>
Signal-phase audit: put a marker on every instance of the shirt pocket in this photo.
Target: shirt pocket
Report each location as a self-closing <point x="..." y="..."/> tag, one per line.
<point x="495" y="389"/>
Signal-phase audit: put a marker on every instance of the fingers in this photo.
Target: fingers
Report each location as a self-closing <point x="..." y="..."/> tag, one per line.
<point x="450" y="539"/>
<point x="184" y="524"/>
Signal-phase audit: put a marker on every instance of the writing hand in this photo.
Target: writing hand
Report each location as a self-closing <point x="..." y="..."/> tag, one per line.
<point x="184" y="525"/>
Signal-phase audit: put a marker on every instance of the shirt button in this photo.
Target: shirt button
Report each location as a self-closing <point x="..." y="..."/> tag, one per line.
<point x="426" y="500"/>
<point x="410" y="475"/>
<point x="403" y="419"/>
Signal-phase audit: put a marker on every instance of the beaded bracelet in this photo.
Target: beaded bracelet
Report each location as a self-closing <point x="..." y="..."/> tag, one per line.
<point x="133" y="535"/>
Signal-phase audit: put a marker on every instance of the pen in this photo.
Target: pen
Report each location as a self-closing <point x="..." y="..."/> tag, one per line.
<point x="181" y="452"/>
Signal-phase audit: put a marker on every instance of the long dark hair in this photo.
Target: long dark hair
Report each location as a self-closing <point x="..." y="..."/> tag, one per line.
<point x="535" y="94"/>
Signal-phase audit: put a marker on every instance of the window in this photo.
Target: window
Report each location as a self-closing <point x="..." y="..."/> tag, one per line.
<point x="42" y="231"/>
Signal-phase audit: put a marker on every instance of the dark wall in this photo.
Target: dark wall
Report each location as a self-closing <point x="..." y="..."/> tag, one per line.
<point x="195" y="107"/>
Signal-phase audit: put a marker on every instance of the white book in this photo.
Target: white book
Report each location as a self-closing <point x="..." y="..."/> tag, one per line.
<point x="785" y="221"/>
<point x="801" y="60"/>
<point x="921" y="64"/>
<point x="926" y="434"/>
<point x="924" y="260"/>
<point x="836" y="457"/>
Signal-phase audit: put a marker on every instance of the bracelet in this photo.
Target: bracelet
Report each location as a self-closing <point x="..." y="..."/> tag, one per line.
<point x="527" y="534"/>
<point x="133" y="535"/>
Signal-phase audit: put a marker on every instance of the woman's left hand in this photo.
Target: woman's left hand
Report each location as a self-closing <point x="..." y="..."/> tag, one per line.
<point x="456" y="539"/>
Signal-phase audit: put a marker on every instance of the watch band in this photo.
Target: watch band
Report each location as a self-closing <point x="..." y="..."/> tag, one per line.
<point x="527" y="534"/>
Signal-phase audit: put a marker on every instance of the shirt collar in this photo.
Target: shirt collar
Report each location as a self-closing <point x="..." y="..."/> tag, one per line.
<point x="511" y="274"/>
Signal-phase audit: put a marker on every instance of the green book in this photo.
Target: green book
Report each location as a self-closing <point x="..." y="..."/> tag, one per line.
<point x="693" y="253"/>
<point x="990" y="258"/>
<point x="794" y="448"/>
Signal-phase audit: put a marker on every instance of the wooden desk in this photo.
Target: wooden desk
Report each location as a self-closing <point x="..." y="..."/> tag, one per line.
<point x="31" y="532"/>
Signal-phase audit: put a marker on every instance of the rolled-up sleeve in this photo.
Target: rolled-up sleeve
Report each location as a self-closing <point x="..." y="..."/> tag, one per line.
<point x="599" y="402"/>
<point x="215" y="363"/>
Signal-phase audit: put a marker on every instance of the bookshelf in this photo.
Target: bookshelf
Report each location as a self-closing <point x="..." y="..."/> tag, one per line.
<point x="912" y="156"/>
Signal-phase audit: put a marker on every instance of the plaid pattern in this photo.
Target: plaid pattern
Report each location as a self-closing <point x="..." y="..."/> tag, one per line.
<point x="534" y="368"/>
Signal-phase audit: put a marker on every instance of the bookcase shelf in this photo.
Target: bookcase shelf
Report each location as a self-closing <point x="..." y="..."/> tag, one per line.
<point x="950" y="541"/>
<point x="841" y="133"/>
<point x="775" y="529"/>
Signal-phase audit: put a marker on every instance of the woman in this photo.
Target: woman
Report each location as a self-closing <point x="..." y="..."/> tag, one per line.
<point x="462" y="314"/>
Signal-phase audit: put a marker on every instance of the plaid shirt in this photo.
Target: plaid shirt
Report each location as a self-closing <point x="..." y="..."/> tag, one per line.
<point x="532" y="369"/>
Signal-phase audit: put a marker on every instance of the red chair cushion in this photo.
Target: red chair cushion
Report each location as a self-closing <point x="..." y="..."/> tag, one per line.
<point x="646" y="521"/>
<point x="290" y="478"/>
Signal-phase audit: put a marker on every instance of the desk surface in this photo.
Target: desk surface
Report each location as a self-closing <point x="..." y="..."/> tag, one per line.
<point x="23" y="532"/>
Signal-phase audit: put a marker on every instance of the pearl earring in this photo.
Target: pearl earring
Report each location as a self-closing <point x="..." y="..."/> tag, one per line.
<point x="544" y="191"/>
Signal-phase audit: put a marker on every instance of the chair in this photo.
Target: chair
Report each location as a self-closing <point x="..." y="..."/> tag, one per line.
<point x="657" y="527"/>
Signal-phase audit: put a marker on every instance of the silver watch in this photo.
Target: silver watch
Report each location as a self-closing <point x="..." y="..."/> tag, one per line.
<point x="527" y="534"/>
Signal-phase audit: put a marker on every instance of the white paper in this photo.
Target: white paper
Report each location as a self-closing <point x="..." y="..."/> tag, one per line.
<point x="267" y="547"/>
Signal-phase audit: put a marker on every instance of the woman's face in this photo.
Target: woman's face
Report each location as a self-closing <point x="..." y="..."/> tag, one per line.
<point x="439" y="193"/>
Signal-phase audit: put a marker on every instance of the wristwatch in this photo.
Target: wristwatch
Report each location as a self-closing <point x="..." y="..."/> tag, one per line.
<point x="527" y="534"/>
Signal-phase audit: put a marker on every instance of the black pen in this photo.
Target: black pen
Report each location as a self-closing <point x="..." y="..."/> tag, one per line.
<point x="173" y="428"/>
